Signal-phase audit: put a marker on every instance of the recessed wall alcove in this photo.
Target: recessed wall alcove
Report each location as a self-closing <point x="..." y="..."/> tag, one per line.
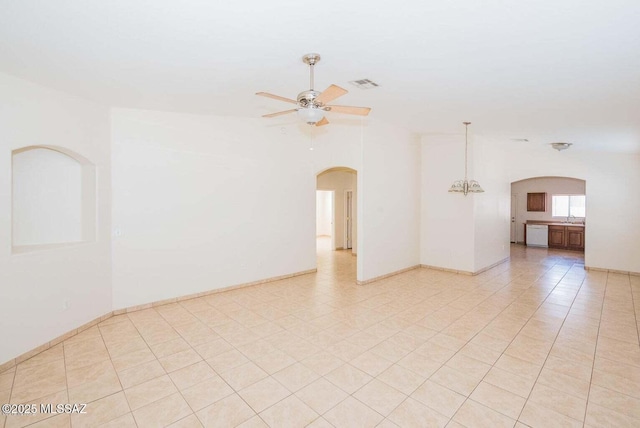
<point x="53" y="198"/>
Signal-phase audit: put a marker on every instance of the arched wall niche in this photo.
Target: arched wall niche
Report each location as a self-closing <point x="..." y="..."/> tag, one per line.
<point x="53" y="198"/>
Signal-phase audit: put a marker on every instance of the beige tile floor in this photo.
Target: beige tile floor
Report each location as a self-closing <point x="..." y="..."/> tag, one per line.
<point x="534" y="342"/>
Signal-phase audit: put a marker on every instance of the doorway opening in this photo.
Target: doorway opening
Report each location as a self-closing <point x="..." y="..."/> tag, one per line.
<point x="325" y="221"/>
<point x="336" y="221"/>
<point x="538" y="217"/>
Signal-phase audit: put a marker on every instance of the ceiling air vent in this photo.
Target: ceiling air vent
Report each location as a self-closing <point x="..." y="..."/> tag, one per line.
<point x="364" y="84"/>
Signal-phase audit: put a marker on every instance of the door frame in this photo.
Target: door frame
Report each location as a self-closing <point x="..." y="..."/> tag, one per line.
<point x="348" y="219"/>
<point x="514" y="218"/>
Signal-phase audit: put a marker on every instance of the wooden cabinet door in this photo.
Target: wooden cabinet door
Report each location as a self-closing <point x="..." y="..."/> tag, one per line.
<point x="575" y="238"/>
<point x="536" y="202"/>
<point x="557" y="237"/>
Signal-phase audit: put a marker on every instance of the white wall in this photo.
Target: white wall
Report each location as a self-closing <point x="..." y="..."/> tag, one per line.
<point x="448" y="224"/>
<point x="205" y="202"/>
<point x="389" y="201"/>
<point x="492" y="209"/>
<point x="34" y="285"/>
<point x="324" y="213"/>
<point x="447" y="219"/>
<point x="549" y="185"/>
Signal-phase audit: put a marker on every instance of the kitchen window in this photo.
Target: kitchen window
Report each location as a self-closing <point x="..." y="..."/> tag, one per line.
<point x="568" y="206"/>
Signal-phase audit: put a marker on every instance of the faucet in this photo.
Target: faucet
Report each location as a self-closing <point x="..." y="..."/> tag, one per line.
<point x="570" y="217"/>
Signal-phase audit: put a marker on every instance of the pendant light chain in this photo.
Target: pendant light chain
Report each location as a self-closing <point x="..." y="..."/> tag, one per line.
<point x="466" y="148"/>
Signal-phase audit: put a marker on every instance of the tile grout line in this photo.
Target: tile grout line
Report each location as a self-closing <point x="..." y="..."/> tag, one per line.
<point x="468" y="397"/>
<point x="356" y="325"/>
<point x="158" y="360"/>
<point x="595" y="349"/>
<point x="635" y="312"/>
<point x="235" y="392"/>
<point x="554" y="341"/>
<point x="468" y="341"/>
<point x="118" y="377"/>
<point x="514" y="338"/>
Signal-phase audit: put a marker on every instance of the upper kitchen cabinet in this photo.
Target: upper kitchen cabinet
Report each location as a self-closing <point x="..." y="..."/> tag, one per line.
<point x="537" y="202"/>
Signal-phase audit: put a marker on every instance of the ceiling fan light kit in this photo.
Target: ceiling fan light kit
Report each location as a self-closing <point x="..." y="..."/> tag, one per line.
<point x="311" y="104"/>
<point x="311" y="115"/>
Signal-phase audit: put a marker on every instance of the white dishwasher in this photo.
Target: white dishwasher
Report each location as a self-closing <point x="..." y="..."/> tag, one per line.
<point x="537" y="235"/>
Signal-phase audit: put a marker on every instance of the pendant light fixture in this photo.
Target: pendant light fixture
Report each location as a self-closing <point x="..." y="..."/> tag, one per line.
<point x="465" y="186"/>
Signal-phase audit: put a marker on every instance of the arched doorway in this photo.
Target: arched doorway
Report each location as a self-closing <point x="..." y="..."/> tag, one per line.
<point x="549" y="200"/>
<point x="336" y="221"/>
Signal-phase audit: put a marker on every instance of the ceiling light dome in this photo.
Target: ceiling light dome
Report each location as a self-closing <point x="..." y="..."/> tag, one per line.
<point x="310" y="115"/>
<point x="561" y="146"/>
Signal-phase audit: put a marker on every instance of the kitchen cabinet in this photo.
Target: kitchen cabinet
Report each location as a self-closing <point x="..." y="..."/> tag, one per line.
<point x="557" y="237"/>
<point x="537" y="202"/>
<point x="575" y="238"/>
<point x="566" y="237"/>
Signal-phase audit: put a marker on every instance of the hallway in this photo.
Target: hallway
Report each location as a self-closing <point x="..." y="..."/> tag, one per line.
<point x="536" y="341"/>
<point x="338" y="267"/>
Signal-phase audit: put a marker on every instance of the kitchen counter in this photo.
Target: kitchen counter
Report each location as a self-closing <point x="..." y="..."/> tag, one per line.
<point x="568" y="236"/>
<point x="554" y="223"/>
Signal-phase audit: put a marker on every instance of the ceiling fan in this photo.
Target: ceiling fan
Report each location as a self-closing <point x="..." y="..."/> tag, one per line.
<point x="311" y="104"/>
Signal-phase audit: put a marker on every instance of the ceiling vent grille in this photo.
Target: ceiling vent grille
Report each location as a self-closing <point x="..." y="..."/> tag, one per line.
<point x="364" y="84"/>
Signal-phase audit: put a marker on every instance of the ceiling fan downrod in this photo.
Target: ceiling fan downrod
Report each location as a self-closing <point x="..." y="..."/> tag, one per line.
<point x="311" y="59"/>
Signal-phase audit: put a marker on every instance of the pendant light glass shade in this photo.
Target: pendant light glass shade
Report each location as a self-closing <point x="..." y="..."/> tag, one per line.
<point x="310" y="115"/>
<point x="466" y="186"/>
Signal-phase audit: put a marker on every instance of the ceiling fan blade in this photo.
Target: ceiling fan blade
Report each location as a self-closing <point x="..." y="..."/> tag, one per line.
<point x="360" y="111"/>
<point x="276" y="97"/>
<point x="322" y="122"/>
<point x="330" y="94"/>
<point x="280" y="113"/>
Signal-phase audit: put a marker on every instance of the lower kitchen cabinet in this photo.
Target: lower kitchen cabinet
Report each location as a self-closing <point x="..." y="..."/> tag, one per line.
<point x="566" y="237"/>
<point x="557" y="237"/>
<point x="575" y="238"/>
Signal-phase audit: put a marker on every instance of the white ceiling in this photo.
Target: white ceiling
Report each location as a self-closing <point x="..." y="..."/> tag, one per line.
<point x="546" y="70"/>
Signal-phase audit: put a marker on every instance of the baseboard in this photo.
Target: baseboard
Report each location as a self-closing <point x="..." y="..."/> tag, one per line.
<point x="466" y="272"/>
<point x="443" y="269"/>
<point x="378" y="278"/>
<point x="486" y="268"/>
<point x="32" y="353"/>
<point x="623" y="272"/>
<point x="210" y="292"/>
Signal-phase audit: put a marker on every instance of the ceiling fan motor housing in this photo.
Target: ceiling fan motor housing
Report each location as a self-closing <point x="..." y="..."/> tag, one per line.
<point x="307" y="99"/>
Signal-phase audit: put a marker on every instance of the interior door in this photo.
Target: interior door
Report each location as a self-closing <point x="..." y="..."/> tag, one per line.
<point x="348" y="227"/>
<point x="514" y="208"/>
